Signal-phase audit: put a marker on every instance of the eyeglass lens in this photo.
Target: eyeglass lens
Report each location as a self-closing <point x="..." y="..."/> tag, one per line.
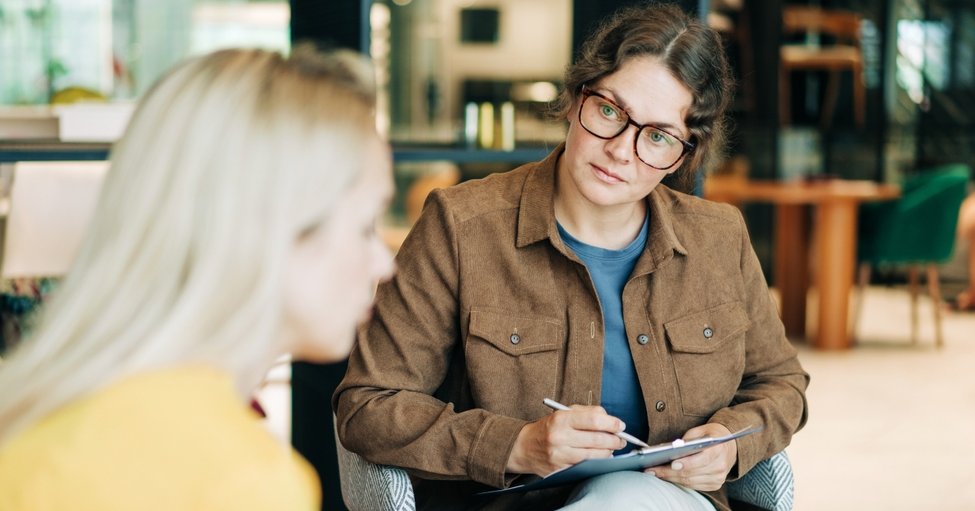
<point x="606" y="120"/>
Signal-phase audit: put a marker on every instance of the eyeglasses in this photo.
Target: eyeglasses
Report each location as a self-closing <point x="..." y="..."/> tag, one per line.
<point x="654" y="146"/>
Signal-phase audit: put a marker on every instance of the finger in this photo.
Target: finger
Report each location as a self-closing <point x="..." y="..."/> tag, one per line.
<point x="698" y="432"/>
<point x="561" y="433"/>
<point x="661" y="471"/>
<point x="594" y="418"/>
<point x="708" y="461"/>
<point x="711" y="429"/>
<point x="699" y="483"/>
<point x="700" y="477"/>
<point x="595" y="453"/>
<point x="689" y="479"/>
<point x="695" y="461"/>
<point x="668" y="474"/>
<point x="582" y="439"/>
<point x="691" y="463"/>
<point x="595" y="408"/>
<point x="705" y="482"/>
<point x="683" y="467"/>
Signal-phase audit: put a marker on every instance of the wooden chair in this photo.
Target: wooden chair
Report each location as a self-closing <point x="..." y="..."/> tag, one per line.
<point x="442" y="176"/>
<point x="843" y="27"/>
<point x="729" y="18"/>
<point x="438" y="176"/>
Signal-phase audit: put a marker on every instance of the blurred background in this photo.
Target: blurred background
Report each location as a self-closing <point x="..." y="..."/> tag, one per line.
<point x="850" y="155"/>
<point x="446" y="66"/>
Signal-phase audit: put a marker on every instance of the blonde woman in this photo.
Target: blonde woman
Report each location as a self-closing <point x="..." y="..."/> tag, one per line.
<point x="236" y="224"/>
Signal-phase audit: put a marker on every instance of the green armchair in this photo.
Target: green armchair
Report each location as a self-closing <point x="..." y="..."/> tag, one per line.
<point x="916" y="230"/>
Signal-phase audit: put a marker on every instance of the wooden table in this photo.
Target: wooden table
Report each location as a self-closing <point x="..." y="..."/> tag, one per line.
<point x="835" y="203"/>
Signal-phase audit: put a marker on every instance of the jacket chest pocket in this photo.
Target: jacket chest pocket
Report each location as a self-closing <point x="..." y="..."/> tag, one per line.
<point x="708" y="350"/>
<point x="512" y="362"/>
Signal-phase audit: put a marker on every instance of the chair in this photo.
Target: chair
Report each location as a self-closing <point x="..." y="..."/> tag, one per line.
<point x="46" y="214"/>
<point x="370" y="487"/>
<point x="728" y="18"/>
<point x="844" y="55"/>
<point x="442" y="176"/>
<point x="917" y="229"/>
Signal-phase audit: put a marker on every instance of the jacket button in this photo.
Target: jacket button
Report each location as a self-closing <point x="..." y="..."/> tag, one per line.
<point x="660" y="406"/>
<point x="708" y="332"/>
<point x="642" y="339"/>
<point x="515" y="338"/>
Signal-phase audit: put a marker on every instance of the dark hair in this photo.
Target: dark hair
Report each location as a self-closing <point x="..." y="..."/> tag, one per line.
<point x="688" y="48"/>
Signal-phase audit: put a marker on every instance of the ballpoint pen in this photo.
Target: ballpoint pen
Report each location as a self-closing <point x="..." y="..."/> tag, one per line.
<point x="555" y="405"/>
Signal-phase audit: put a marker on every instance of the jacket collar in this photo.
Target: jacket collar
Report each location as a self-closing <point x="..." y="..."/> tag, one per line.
<point x="536" y="217"/>
<point x="662" y="240"/>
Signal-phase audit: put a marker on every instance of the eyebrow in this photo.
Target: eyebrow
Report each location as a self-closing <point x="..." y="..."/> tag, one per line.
<point x="626" y="108"/>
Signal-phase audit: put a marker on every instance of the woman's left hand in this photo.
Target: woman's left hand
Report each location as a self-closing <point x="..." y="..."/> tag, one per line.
<point x="705" y="470"/>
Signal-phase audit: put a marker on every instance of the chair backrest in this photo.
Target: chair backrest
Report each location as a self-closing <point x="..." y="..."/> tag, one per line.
<point x="920" y="226"/>
<point x="839" y="24"/>
<point x="443" y="176"/>
<point x="49" y="208"/>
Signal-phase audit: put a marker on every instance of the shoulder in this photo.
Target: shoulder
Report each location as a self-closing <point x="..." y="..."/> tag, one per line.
<point x="701" y="224"/>
<point x="471" y="199"/>
<point x="689" y="208"/>
<point x="191" y="408"/>
<point x="182" y="426"/>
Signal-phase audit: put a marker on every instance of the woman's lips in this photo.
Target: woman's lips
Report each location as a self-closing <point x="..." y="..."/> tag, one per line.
<point x="605" y="175"/>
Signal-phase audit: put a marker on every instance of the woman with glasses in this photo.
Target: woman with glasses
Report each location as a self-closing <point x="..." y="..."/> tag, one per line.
<point x="584" y="279"/>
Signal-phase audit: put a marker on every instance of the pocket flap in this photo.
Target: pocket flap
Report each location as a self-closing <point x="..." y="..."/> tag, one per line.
<point x="705" y="331"/>
<point x="516" y="335"/>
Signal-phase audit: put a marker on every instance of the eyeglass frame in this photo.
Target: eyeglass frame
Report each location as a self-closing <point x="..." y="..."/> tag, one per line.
<point x="587" y="92"/>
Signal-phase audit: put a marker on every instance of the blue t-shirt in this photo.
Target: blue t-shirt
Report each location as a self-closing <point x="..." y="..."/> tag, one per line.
<point x="610" y="270"/>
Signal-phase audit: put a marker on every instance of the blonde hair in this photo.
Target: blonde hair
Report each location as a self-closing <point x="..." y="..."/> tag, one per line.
<point x="228" y="160"/>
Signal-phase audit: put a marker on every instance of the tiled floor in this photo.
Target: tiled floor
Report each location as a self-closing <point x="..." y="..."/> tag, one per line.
<point x="892" y="425"/>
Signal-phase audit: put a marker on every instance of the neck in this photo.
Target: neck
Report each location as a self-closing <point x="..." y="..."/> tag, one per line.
<point x="612" y="227"/>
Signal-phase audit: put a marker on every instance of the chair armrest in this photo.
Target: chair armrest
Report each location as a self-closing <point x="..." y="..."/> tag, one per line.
<point x="768" y="485"/>
<point x="370" y="487"/>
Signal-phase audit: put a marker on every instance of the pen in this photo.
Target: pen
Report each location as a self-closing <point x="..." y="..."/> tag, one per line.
<point x="555" y="405"/>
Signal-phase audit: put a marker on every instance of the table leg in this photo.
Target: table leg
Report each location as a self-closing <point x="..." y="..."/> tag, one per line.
<point x="791" y="265"/>
<point x="836" y="223"/>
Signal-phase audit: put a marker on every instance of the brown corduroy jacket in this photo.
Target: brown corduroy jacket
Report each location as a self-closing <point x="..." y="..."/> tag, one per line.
<point x="490" y="312"/>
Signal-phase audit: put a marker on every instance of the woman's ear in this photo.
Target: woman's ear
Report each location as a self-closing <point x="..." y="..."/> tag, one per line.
<point x="573" y="112"/>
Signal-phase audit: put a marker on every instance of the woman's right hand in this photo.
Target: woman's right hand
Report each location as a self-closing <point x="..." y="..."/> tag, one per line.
<point x="564" y="438"/>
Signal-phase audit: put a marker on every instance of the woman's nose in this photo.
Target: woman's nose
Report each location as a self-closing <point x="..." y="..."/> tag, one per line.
<point x="621" y="146"/>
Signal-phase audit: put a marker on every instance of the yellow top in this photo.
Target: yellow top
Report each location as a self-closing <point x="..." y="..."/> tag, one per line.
<point x="178" y="439"/>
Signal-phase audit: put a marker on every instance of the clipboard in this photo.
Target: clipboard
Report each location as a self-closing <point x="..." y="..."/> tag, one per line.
<point x="637" y="459"/>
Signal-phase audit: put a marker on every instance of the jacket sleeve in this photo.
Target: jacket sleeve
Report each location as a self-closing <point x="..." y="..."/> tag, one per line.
<point x="772" y="390"/>
<point x="385" y="406"/>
